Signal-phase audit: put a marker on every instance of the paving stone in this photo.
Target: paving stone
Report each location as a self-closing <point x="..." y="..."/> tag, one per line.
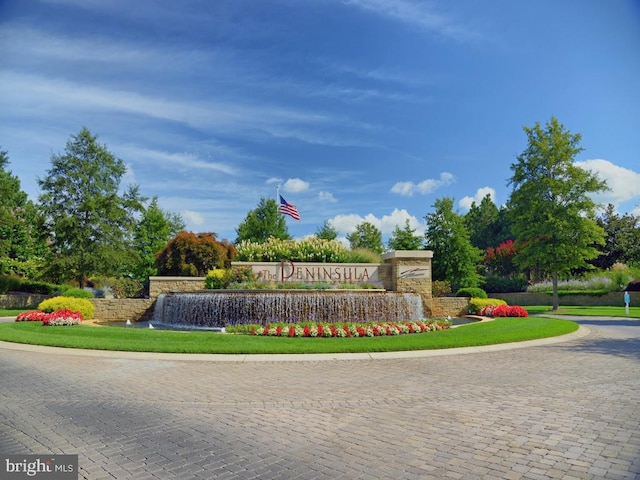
<point x="564" y="410"/>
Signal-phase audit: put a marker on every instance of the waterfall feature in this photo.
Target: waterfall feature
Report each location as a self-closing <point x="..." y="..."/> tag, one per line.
<point x="230" y="307"/>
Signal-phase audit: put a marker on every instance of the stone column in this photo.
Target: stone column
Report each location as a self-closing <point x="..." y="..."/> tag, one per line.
<point x="411" y="273"/>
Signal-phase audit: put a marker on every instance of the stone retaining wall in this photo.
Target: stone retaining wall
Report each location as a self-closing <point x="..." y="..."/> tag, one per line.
<point x="22" y="300"/>
<point x="158" y="285"/>
<point x="122" y="309"/>
<point x="449" y="306"/>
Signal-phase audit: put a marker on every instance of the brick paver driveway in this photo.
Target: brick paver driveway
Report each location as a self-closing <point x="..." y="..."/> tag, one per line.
<point x="565" y="410"/>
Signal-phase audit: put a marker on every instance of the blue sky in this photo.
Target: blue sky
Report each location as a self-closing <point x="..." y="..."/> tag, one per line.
<point x="362" y="110"/>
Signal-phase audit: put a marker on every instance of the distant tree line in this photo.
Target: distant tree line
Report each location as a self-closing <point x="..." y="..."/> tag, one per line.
<point x="83" y="225"/>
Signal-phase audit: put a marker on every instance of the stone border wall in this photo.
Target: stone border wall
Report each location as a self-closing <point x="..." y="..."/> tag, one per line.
<point x="122" y="309"/>
<point x="450" y="306"/>
<point x="158" y="285"/>
<point x="527" y="298"/>
<point x="22" y="300"/>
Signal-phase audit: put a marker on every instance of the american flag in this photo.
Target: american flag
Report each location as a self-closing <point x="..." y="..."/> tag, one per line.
<point x="288" y="209"/>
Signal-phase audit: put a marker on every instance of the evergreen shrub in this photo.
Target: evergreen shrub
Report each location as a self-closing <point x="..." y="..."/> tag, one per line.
<point x="80" y="305"/>
<point x="473" y="292"/>
<point x="477" y="304"/>
<point x="9" y="283"/>
<point x="77" y="293"/>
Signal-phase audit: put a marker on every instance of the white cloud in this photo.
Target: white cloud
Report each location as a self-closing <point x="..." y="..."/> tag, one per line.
<point x="187" y="160"/>
<point x="346" y="223"/>
<point x="272" y="180"/>
<point x="37" y="93"/>
<point x="420" y="14"/>
<point x="466" y="202"/>
<point x="425" y="187"/>
<point x="327" y="197"/>
<point x="192" y="217"/>
<point x="397" y="218"/>
<point x="295" y="185"/>
<point x="624" y="183"/>
<point x="386" y="224"/>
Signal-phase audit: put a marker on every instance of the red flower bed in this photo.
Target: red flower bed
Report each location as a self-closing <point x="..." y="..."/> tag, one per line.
<point x="346" y="330"/>
<point x="59" y="317"/>
<point x="31" y="316"/>
<point x="503" y="311"/>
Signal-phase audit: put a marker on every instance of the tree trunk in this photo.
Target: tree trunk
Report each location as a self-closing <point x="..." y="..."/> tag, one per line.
<point x="554" y="280"/>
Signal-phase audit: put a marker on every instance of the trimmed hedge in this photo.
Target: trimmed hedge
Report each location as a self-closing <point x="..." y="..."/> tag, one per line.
<point x="77" y="293"/>
<point x="473" y="292"/>
<point x="9" y="283"/>
<point x="505" y="285"/>
<point x="477" y="304"/>
<point x="80" y="305"/>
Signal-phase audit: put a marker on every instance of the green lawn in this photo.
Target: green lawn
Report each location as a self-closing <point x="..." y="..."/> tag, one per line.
<point x="11" y="312"/>
<point x="501" y="330"/>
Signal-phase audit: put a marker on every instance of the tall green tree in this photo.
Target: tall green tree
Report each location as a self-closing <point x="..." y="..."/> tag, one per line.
<point x="22" y="247"/>
<point x="263" y="222"/>
<point x="151" y="234"/>
<point x="327" y="231"/>
<point x="552" y="211"/>
<point x="405" y="238"/>
<point x="89" y="222"/>
<point x="455" y="259"/>
<point x="487" y="224"/>
<point x="622" y="238"/>
<point x="366" y="235"/>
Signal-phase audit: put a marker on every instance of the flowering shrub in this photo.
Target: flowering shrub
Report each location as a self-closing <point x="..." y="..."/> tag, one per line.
<point x="82" y="305"/>
<point x="503" y="311"/>
<point x="56" y="318"/>
<point x="310" y="249"/>
<point x="223" y="278"/>
<point x="341" y="330"/>
<point x="477" y="304"/>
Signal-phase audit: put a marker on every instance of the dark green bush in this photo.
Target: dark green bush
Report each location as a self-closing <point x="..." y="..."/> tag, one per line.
<point x="43" y="288"/>
<point x="473" y="292"/>
<point x="505" y="285"/>
<point x="77" y="293"/>
<point x="9" y="283"/>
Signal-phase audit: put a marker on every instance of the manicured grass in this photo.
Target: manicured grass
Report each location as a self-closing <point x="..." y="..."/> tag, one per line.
<point x="11" y="312"/>
<point x="634" y="312"/>
<point x="501" y="330"/>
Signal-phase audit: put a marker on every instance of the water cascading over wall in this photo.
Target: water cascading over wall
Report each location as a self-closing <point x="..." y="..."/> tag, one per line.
<point x="219" y="309"/>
